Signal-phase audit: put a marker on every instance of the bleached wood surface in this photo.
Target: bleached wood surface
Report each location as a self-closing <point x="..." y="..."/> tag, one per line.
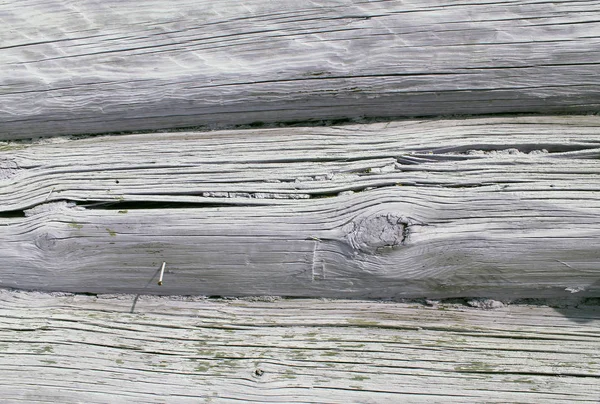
<point x="73" y="349"/>
<point x="503" y="207"/>
<point x="99" y="66"/>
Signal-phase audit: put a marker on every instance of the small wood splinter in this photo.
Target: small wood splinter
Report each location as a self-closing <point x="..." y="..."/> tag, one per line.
<point x="49" y="193"/>
<point x="162" y="272"/>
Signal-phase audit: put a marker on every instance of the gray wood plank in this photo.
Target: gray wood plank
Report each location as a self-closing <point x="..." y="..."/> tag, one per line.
<point x="282" y="165"/>
<point x="71" y="349"/>
<point x="103" y="66"/>
<point x="502" y="207"/>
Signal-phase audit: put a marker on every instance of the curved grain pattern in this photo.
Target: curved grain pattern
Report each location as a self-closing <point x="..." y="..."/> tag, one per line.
<point x="94" y="350"/>
<point x="102" y="66"/>
<point x="395" y="242"/>
<point x="545" y="157"/>
<point x="504" y="207"/>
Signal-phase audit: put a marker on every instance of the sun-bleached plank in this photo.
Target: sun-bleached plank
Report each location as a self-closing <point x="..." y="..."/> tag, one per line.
<point x="104" y="66"/>
<point x="72" y="348"/>
<point x="502" y="207"/>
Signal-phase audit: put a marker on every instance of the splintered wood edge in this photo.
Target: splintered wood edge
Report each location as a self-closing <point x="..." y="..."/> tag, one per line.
<point x="287" y="165"/>
<point x="127" y="348"/>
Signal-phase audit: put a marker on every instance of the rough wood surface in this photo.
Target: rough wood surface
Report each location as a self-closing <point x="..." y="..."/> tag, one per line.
<point x="503" y="207"/>
<point x="73" y="349"/>
<point x="98" y="66"/>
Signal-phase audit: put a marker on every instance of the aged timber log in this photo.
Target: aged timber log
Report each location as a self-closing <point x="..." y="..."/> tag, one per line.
<point x="102" y="66"/>
<point x="88" y="349"/>
<point x="496" y="207"/>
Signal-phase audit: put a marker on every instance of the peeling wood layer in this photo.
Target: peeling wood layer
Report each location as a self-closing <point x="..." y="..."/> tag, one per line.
<point x="503" y="207"/>
<point x="551" y="155"/>
<point x="105" y="66"/>
<point x="73" y="349"/>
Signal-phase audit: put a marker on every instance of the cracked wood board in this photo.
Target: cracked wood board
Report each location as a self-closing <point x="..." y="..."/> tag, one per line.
<point x="495" y="207"/>
<point x="123" y="349"/>
<point x="281" y="165"/>
<point x="104" y="66"/>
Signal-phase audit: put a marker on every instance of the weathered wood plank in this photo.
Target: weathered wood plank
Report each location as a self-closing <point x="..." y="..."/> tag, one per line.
<point x="535" y="155"/>
<point x="504" y="207"/>
<point x="95" y="350"/>
<point x="100" y="66"/>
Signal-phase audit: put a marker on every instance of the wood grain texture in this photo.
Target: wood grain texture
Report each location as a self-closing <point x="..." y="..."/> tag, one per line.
<point x="503" y="207"/>
<point x="101" y="66"/>
<point x="74" y="349"/>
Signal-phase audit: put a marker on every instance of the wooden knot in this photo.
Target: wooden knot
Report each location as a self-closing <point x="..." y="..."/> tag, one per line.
<point x="8" y="168"/>
<point x="46" y="241"/>
<point x="379" y="232"/>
